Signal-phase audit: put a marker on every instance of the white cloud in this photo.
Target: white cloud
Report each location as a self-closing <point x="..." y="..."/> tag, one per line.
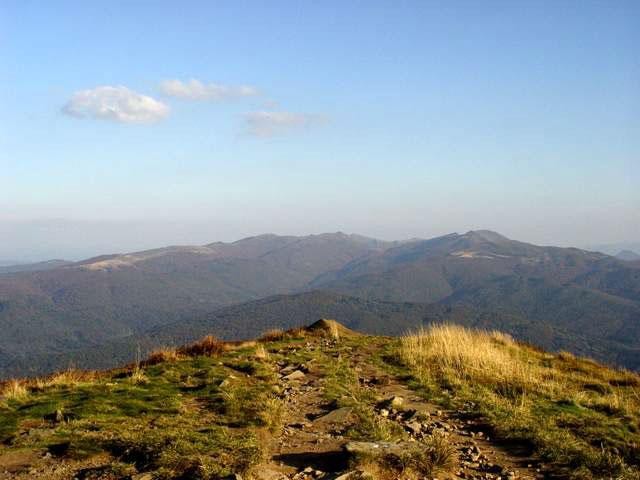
<point x="196" y="90"/>
<point x="269" y="123"/>
<point x="118" y="104"/>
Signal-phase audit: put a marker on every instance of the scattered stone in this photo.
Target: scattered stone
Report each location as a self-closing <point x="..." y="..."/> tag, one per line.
<point x="414" y="427"/>
<point x="268" y="474"/>
<point x="295" y="375"/>
<point x="339" y="415"/>
<point x="148" y="476"/>
<point x="347" y="476"/>
<point x="373" y="449"/>
<point x="288" y="369"/>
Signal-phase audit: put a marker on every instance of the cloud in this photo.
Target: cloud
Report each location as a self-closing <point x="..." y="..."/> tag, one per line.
<point x="269" y="123"/>
<point x="196" y="90"/>
<point x="118" y="104"/>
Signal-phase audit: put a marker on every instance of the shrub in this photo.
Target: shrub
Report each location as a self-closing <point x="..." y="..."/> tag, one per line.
<point x="208" y="346"/>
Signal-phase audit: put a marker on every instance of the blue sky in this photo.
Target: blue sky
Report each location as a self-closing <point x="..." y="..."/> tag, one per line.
<point x="392" y="119"/>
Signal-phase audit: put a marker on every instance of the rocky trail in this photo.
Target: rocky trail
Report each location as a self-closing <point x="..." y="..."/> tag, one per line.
<point x="313" y="443"/>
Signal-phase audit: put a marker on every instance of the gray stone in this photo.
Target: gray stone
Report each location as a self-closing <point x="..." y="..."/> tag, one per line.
<point x="374" y="449"/>
<point x="339" y="415"/>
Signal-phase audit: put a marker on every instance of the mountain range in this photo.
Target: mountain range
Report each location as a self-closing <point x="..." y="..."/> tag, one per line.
<point x="95" y="313"/>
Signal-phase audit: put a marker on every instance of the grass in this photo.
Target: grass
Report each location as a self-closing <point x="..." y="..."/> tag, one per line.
<point x="14" y="390"/>
<point x="573" y="411"/>
<point x="165" y="354"/>
<point x="198" y="412"/>
<point x="207" y="410"/>
<point x="344" y="390"/>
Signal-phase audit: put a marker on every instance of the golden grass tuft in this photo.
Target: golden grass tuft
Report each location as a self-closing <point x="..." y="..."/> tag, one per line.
<point x="138" y="377"/>
<point x="492" y="358"/>
<point x="334" y="331"/>
<point x="261" y="353"/>
<point x="67" y="378"/>
<point x="164" y="354"/>
<point x="14" y="390"/>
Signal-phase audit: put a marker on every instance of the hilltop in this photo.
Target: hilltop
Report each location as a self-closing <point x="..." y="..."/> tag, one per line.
<point x="328" y="402"/>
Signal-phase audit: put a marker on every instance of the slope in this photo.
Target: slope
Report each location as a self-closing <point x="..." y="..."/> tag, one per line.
<point x="326" y="402"/>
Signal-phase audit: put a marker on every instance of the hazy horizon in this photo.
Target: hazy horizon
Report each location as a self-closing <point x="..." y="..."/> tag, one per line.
<point x="78" y="240"/>
<point x="141" y="124"/>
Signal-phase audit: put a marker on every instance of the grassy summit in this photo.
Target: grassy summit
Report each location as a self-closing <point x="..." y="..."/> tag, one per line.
<point x="325" y="402"/>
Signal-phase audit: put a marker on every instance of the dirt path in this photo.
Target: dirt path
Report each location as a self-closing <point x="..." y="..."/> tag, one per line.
<point x="479" y="455"/>
<point x="312" y="443"/>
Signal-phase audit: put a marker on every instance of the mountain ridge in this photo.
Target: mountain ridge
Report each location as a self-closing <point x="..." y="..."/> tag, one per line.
<point x="96" y="301"/>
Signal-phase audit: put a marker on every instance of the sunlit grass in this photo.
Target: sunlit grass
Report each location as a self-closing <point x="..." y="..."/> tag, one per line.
<point x="574" y="411"/>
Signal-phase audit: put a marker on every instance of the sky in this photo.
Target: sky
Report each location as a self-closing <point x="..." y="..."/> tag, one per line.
<point x="135" y="124"/>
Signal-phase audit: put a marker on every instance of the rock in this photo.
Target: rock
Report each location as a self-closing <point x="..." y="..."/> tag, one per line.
<point x="294" y="376"/>
<point x="148" y="476"/>
<point x="384" y="412"/>
<point x="299" y="425"/>
<point x="268" y="474"/>
<point x="375" y="449"/>
<point x="288" y="369"/>
<point x="414" y="427"/>
<point x="395" y="402"/>
<point x="347" y="476"/>
<point x="339" y="415"/>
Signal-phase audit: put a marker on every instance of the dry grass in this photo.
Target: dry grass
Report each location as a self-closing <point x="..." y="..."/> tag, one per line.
<point x="14" y="390"/>
<point x="334" y="330"/>
<point x="164" y="354"/>
<point x="138" y="377"/>
<point x="491" y="358"/>
<point x="261" y="353"/>
<point x="574" y="410"/>
<point x="67" y="378"/>
<point x="278" y="335"/>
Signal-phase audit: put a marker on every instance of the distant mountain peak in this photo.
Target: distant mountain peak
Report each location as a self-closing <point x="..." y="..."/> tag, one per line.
<point x="628" y="256"/>
<point x="487" y="235"/>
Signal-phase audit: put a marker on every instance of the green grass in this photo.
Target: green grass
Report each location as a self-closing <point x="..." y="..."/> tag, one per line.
<point x="197" y="417"/>
<point x="344" y="390"/>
